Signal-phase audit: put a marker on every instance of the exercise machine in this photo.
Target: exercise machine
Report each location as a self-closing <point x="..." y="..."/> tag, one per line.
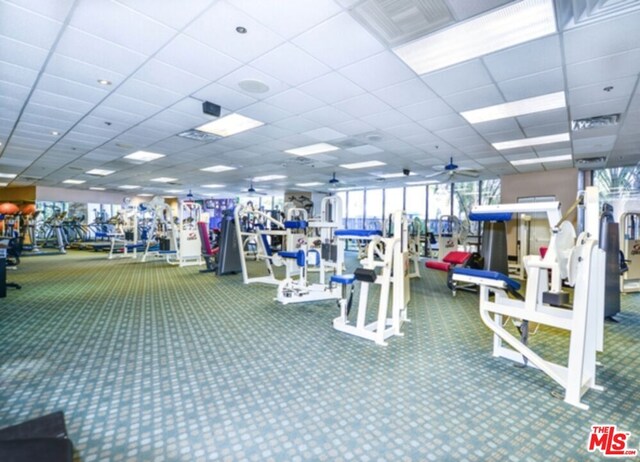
<point x="630" y="239"/>
<point x="385" y="265"/>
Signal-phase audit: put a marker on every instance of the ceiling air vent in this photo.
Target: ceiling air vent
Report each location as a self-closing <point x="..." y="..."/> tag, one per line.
<point x="590" y="160"/>
<point x="198" y="135"/>
<point x="400" y="21"/>
<point x="595" y="122"/>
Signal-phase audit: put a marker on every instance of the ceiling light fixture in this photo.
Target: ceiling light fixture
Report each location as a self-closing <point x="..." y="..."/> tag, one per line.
<point x="421" y="183"/>
<point x="502" y="28"/>
<point x="231" y="124"/>
<point x="217" y="169"/>
<point x="516" y="108"/>
<point x="367" y="164"/>
<point x="525" y="142"/>
<point x="96" y="188"/>
<point x="74" y="181"/>
<point x="99" y="172"/>
<point x="312" y="149"/>
<point x="144" y="156"/>
<point x="175" y="191"/>
<point x="164" y="179"/>
<point x="146" y="195"/>
<point x="104" y="82"/>
<point x="312" y="183"/>
<point x="258" y="179"/>
<point x="2" y="185"/>
<point x="129" y="186"/>
<point x="542" y="160"/>
<point x="7" y="175"/>
<point x="213" y="186"/>
<point x="55" y="133"/>
<point x="388" y="176"/>
<point x="241" y="30"/>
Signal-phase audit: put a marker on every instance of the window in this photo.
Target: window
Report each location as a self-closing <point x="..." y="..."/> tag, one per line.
<point x="343" y="198"/>
<point x="266" y="203"/>
<point x="439" y="204"/>
<point x="373" y="213"/>
<point x="416" y="203"/>
<point x="617" y="183"/>
<point x="490" y="191"/>
<point x="393" y="200"/>
<point x="466" y="196"/>
<point x="355" y="209"/>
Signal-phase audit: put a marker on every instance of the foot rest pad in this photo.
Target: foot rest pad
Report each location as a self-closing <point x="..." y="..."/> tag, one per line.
<point x="343" y="278"/>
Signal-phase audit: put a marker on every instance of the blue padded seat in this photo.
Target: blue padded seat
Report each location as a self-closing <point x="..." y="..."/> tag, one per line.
<point x="299" y="256"/>
<point x="296" y="224"/>
<point x="284" y="254"/>
<point x="358" y="232"/>
<point x="343" y="278"/>
<point x="493" y="216"/>
<point x="495" y="275"/>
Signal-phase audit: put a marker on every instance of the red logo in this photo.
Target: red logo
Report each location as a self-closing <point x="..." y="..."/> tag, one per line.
<point x="609" y="441"/>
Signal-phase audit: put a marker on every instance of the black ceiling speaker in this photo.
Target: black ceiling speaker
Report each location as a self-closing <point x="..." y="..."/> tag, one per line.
<point x="211" y="109"/>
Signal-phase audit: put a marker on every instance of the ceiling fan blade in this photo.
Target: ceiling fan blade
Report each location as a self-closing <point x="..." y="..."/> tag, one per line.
<point x="469" y="173"/>
<point x="431" y="175"/>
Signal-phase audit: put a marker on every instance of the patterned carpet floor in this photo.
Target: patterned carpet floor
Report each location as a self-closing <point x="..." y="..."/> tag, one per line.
<point x="157" y="363"/>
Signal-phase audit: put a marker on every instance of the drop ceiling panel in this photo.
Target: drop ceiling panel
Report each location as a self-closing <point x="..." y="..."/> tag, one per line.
<point x="296" y="124"/>
<point x="52" y="112"/>
<point x="166" y="13"/>
<point x="123" y="26"/>
<point x="613" y="36"/>
<point x="224" y="97"/>
<point x="52" y="99"/>
<point x="405" y="93"/>
<point x="378" y="71"/>
<point x="134" y="106"/>
<point x="532" y="57"/>
<point x="607" y="68"/>
<point x="290" y="64"/>
<point x="363" y="105"/>
<point x="331" y="88"/>
<point x="307" y="13"/>
<point x="294" y="101"/>
<point x="476" y="98"/>
<point x="557" y="116"/>
<point x="328" y="116"/>
<point x="169" y="78"/>
<point x="264" y="112"/>
<point x="546" y="129"/>
<point x="427" y="110"/>
<point x="17" y="75"/>
<point x="471" y="74"/>
<point x="600" y="108"/>
<point x="450" y="120"/>
<point x="250" y="73"/>
<point x="70" y="89"/>
<point x="192" y="56"/>
<point x="77" y="71"/>
<point x="21" y="54"/>
<point x="339" y="41"/>
<point x="622" y="89"/>
<point x="543" y="83"/>
<point x="19" y="23"/>
<point x="386" y="119"/>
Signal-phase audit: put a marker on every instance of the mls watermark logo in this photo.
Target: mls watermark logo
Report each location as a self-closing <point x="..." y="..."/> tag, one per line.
<point x="610" y="442"/>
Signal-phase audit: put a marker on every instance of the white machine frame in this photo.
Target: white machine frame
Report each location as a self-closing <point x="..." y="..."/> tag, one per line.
<point x="630" y="246"/>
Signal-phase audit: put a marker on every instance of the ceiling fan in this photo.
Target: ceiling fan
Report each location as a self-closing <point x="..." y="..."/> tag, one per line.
<point x="254" y="192"/>
<point x="451" y="170"/>
<point x="334" y="182"/>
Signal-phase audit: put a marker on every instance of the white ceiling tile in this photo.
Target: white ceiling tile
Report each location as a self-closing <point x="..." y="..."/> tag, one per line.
<point x="324" y="134"/>
<point x="480" y="97"/>
<point x="54" y="100"/>
<point x="232" y="80"/>
<point x="614" y="106"/>
<point x="405" y="93"/>
<point x="290" y="64"/>
<point x="452" y="134"/>
<point x="108" y="114"/>
<point x="138" y="89"/>
<point x="622" y="88"/>
<point x="378" y="71"/>
<point x="353" y="127"/>
<point x="471" y="74"/>
<point x="224" y="97"/>
<point x="21" y="54"/>
<point x="217" y="28"/>
<point x="612" y="36"/>
<point x="442" y="122"/>
<point x="135" y="106"/>
<point x="294" y="101"/>
<point x="546" y="129"/>
<point x="363" y="105"/>
<point x="539" y="84"/>
<point x="386" y="119"/>
<point x="603" y="69"/>
<point x="91" y="94"/>
<point x="426" y="110"/>
<point x="17" y="75"/>
<point x="19" y="23"/>
<point x="121" y="25"/>
<point x="289" y="17"/>
<point x="404" y="130"/>
<point x="532" y="57"/>
<point x="557" y="116"/>
<point x="78" y="71"/>
<point x="593" y="144"/>
<point x="331" y="88"/>
<point x="264" y="112"/>
<point x="196" y="58"/>
<point x="339" y="41"/>
<point x="296" y="124"/>
<point x="328" y="116"/>
<point x="170" y="78"/>
<point x="96" y="51"/>
<point x="166" y="12"/>
<point x="52" y="111"/>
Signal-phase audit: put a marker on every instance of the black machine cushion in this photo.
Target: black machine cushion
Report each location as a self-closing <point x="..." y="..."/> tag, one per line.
<point x="37" y="440"/>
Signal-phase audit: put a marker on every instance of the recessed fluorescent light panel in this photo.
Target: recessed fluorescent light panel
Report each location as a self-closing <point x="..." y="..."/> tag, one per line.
<point x="100" y="172"/>
<point x="164" y="179"/>
<point x="213" y="186"/>
<point x="394" y="175"/>
<point x="96" y="188"/>
<point x="73" y="181"/>
<point x="2" y="185"/>
<point x="542" y="160"/>
<point x="129" y="186"/>
<point x="517" y="23"/>
<point x="516" y="108"/>
<point x="217" y="169"/>
<point x="370" y="163"/>
<point x="7" y="175"/>
<point x="144" y="156"/>
<point x="258" y="179"/>
<point x="230" y="125"/>
<point x="175" y="191"/>
<point x="145" y="195"/>
<point x="306" y="185"/>
<point x="525" y="142"/>
<point x="312" y="149"/>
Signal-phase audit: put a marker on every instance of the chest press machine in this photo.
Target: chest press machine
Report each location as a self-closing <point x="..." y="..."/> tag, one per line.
<point x="578" y="262"/>
<point x="386" y="264"/>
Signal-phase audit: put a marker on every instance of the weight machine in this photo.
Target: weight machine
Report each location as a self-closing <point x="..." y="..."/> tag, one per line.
<point x="630" y="239"/>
